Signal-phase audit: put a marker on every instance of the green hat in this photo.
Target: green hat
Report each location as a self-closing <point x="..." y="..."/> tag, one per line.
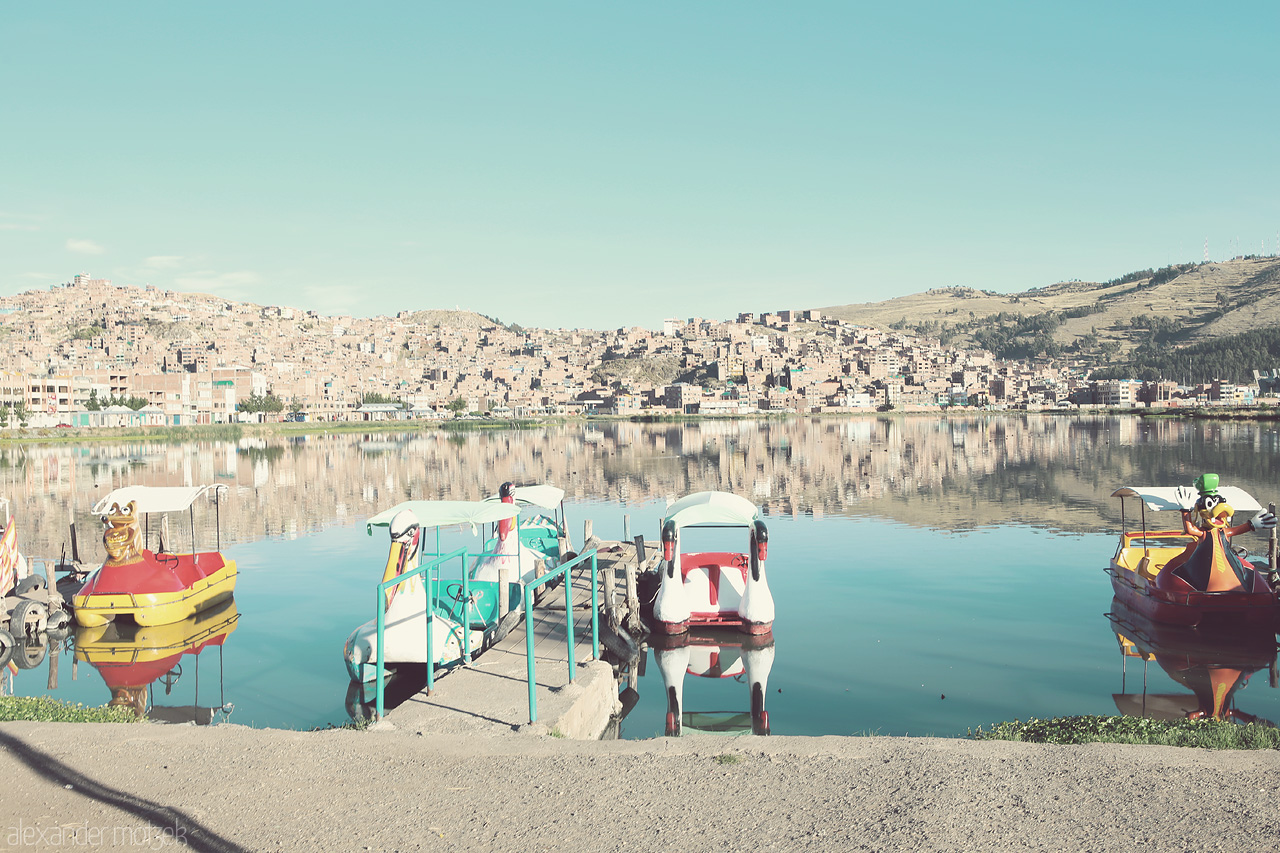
<point x="1207" y="484"/>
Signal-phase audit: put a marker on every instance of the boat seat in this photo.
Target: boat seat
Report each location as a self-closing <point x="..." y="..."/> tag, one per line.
<point x="1149" y="568"/>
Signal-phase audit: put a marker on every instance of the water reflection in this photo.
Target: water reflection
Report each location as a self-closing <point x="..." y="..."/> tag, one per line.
<point x="1214" y="667"/>
<point x="917" y="623"/>
<point x="400" y="684"/>
<point x="957" y="473"/>
<point x="741" y="662"/>
<point x="28" y="652"/>
<point x="135" y="660"/>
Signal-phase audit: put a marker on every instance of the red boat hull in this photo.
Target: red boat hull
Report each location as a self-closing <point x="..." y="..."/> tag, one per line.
<point x="1206" y="610"/>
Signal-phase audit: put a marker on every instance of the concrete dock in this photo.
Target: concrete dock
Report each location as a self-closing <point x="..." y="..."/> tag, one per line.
<point x="491" y="695"/>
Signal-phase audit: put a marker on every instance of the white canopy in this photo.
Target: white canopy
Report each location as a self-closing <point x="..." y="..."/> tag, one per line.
<point x="711" y="508"/>
<point x="446" y="513"/>
<point x="1162" y="498"/>
<point x="545" y="496"/>
<point x="155" y="498"/>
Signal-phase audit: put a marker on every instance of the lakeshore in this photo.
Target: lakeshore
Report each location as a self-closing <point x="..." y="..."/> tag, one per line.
<point x="67" y="435"/>
<point x="231" y="788"/>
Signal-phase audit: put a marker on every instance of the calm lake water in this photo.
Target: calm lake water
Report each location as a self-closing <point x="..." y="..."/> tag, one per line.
<point x="911" y="559"/>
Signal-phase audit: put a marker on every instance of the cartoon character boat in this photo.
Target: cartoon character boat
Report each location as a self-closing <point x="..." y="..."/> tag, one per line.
<point x="1213" y="667"/>
<point x="466" y="617"/>
<point x="160" y="586"/>
<point x="1194" y="576"/>
<point x="132" y="658"/>
<point x="715" y="654"/>
<point x="713" y="588"/>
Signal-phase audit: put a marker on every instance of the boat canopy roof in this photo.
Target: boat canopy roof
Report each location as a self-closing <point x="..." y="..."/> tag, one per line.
<point x="446" y="513"/>
<point x="720" y="508"/>
<point x="1159" y="498"/>
<point x="156" y="498"/>
<point x="543" y="495"/>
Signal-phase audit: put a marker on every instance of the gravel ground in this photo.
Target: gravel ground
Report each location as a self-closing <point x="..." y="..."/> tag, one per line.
<point x="81" y="786"/>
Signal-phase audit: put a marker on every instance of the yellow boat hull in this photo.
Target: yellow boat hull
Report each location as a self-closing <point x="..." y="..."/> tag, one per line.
<point x="110" y="644"/>
<point x="157" y="608"/>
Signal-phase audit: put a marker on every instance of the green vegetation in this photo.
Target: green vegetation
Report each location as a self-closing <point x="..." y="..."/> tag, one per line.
<point x="88" y="333"/>
<point x="1205" y="734"/>
<point x="1154" y="278"/>
<point x="1011" y="335"/>
<point x="358" y="725"/>
<point x="266" y="403"/>
<point x="1231" y="359"/>
<point x="728" y="758"/>
<point x="93" y="404"/>
<point x="1016" y="336"/>
<point x="490" y="423"/>
<point x="374" y="398"/>
<point x="43" y="709"/>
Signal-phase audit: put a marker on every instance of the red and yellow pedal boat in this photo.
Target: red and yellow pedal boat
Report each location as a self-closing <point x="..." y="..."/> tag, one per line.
<point x="153" y="586"/>
<point x="1194" y="576"/>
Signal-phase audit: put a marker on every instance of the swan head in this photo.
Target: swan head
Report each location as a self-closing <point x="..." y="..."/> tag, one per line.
<point x="406" y="530"/>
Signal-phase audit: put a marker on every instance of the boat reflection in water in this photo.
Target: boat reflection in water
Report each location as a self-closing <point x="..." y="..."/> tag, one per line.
<point x="133" y="659"/>
<point x="1213" y="666"/>
<point x="715" y="653"/>
<point x="402" y="682"/>
<point x="27" y="654"/>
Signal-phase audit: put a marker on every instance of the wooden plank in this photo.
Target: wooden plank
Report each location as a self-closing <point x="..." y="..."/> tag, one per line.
<point x="609" y="572"/>
<point x="633" y="622"/>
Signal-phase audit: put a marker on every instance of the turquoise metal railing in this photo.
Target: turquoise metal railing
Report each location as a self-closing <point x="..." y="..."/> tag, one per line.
<point x="431" y="570"/>
<point x="560" y="571"/>
<point x="432" y="580"/>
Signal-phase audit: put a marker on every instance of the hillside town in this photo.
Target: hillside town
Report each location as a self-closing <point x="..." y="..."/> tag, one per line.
<point x="90" y="353"/>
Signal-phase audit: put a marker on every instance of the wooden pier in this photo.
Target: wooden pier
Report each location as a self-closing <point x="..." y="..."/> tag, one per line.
<point x="491" y="695"/>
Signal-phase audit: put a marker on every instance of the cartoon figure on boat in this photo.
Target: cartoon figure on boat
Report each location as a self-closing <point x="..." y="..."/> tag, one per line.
<point x="1194" y="576"/>
<point x="713" y="588"/>
<point x="1209" y="563"/>
<point x="515" y="555"/>
<point x="152" y="587"/>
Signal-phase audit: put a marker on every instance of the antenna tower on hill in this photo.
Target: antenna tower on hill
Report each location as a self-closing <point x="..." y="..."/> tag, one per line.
<point x="1206" y="250"/>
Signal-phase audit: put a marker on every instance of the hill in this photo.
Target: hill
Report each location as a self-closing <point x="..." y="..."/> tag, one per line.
<point x="1093" y="323"/>
<point x="435" y="318"/>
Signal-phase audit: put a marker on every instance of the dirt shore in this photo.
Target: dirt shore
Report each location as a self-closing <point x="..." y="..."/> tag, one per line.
<point x="232" y="788"/>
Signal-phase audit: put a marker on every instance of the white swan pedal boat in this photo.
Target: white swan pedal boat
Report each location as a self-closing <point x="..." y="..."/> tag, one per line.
<point x="460" y="622"/>
<point x="713" y="589"/>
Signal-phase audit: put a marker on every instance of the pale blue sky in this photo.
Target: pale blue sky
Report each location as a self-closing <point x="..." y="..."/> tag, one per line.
<point x="607" y="164"/>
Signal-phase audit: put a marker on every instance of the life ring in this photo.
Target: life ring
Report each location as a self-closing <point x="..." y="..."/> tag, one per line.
<point x="28" y="619"/>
